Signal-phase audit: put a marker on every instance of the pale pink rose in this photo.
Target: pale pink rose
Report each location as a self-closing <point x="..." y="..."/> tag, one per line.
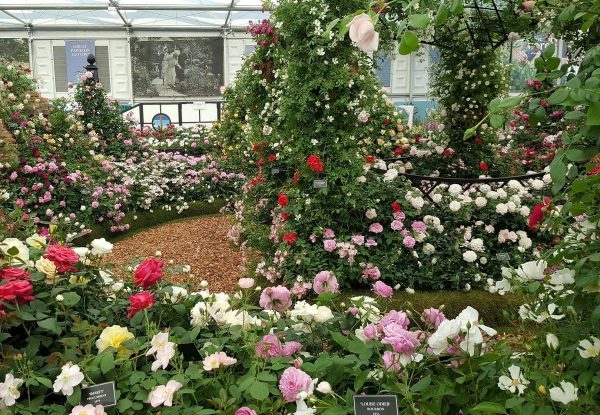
<point x="382" y="289"/>
<point x="370" y="243"/>
<point x="433" y="317"/>
<point x="409" y="241"/>
<point x="363" y="33"/>
<point x="371" y="272"/>
<point x="376" y="227"/>
<point x="88" y="410"/>
<point x="292" y="382"/>
<point x="358" y="239"/>
<point x="528" y="5"/>
<point x="325" y="282"/>
<point x="275" y="298"/>
<point x="328" y="233"/>
<point x="419" y="226"/>
<point x="291" y="348"/>
<point x="391" y="361"/>
<point x="397" y="225"/>
<point x="401" y="340"/>
<point x="329" y="245"/>
<point x="399" y="215"/>
<point x="370" y="332"/>
<point x="399" y="317"/>
<point x="244" y="410"/>
<point x="246" y="283"/>
<point x="269" y="346"/>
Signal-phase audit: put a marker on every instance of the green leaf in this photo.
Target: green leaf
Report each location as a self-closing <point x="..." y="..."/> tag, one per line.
<point x="50" y="324"/>
<point x="553" y="63"/>
<point x="13" y="251"/>
<point x="567" y="14"/>
<point x="558" y="172"/>
<point x="581" y="153"/>
<point x="489" y="408"/>
<point x="259" y="391"/>
<point x="335" y="410"/>
<point x="574" y="115"/>
<point x="107" y="362"/>
<point x="421" y="385"/>
<point x="330" y="27"/>
<point x="549" y="51"/>
<point x="442" y="15"/>
<point x="457" y="7"/>
<point x="408" y="43"/>
<point x="593" y="114"/>
<point x="419" y="21"/>
<point x="509" y="102"/>
<point x="497" y="120"/>
<point x="71" y="298"/>
<point x="558" y="96"/>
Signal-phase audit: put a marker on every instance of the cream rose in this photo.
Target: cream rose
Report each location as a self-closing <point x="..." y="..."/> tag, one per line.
<point x="363" y="33"/>
<point x="48" y="268"/>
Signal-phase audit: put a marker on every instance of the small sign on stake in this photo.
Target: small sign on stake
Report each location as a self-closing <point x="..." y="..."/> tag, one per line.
<point x="275" y="170"/>
<point x="375" y="405"/>
<point x="503" y="256"/>
<point x="101" y="394"/>
<point x="320" y="183"/>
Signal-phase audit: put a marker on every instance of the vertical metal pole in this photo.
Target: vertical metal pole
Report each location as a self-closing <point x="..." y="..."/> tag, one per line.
<point x="30" y="44"/>
<point x="129" y="65"/>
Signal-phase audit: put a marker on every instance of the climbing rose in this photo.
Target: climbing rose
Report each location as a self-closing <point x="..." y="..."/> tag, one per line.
<point x="537" y="214"/>
<point x="148" y="273"/>
<point x="290" y="238"/>
<point x="315" y="163"/>
<point x="140" y="301"/>
<point x="282" y="200"/>
<point x="292" y="382"/>
<point x="63" y="257"/>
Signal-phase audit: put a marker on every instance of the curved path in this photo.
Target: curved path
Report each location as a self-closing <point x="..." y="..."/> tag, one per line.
<point x="198" y="242"/>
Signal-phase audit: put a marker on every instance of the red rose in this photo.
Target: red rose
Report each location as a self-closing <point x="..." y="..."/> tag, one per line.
<point x="477" y="140"/>
<point x="290" y="238"/>
<point x="282" y="200"/>
<point x="398" y="151"/>
<point x="272" y="157"/>
<point x="14" y="274"/>
<point x="396" y="207"/>
<point x="63" y="257"/>
<point x="148" y="273"/>
<point x="483" y="166"/>
<point x="386" y="122"/>
<point x="369" y="159"/>
<point x="261" y="162"/>
<point x="284" y="216"/>
<point x="315" y="163"/>
<point x="18" y="291"/>
<point x="296" y="177"/>
<point x="139" y="302"/>
<point x="448" y="152"/>
<point x="537" y="214"/>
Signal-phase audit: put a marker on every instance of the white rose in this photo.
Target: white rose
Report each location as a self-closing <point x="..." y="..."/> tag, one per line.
<point x="502" y="209"/>
<point x="323" y="314"/>
<point x="371" y="213"/>
<point x="390" y="175"/>
<point x="324" y="387"/>
<point x="455" y="206"/>
<point x="101" y="247"/>
<point x="363" y="33"/>
<point x="455" y="189"/>
<point x="470" y="256"/>
<point x="477" y="245"/>
<point x="480" y="202"/>
<point x="19" y="251"/>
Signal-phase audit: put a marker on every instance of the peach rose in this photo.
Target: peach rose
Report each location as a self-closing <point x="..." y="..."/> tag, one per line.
<point x="363" y="34"/>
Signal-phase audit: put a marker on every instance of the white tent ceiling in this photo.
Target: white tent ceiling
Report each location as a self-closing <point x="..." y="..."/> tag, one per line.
<point x="134" y="14"/>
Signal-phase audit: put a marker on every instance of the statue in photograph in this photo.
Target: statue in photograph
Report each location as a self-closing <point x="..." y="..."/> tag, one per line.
<point x="170" y="64"/>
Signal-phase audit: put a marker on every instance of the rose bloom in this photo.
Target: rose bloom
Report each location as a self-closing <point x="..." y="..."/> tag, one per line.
<point x="269" y="346"/>
<point x="282" y="200"/>
<point x="433" y="317"/>
<point x="63" y="257"/>
<point x="292" y="382"/>
<point x="14" y="274"/>
<point x="394" y="316"/>
<point x="148" y="273"/>
<point x="113" y="336"/>
<point x="314" y="163"/>
<point x="275" y="298"/>
<point x="409" y="241"/>
<point x="290" y="238"/>
<point x="244" y="410"/>
<point x="325" y="282"/>
<point x="246" y="283"/>
<point x="140" y="301"/>
<point x="382" y="289"/>
<point x="329" y="245"/>
<point x="89" y="409"/>
<point x="376" y="227"/>
<point x="401" y="340"/>
<point x="19" y="291"/>
<point x="397" y="225"/>
<point x="363" y="33"/>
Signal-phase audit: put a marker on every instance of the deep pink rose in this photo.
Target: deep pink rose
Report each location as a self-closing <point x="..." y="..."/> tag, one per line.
<point x="14" y="274"/>
<point x="292" y="382"/>
<point x="148" y="273"/>
<point x="275" y="298"/>
<point x="382" y="289"/>
<point x="63" y="257"/>
<point x="19" y="291"/>
<point x="139" y="302"/>
<point x="325" y="282"/>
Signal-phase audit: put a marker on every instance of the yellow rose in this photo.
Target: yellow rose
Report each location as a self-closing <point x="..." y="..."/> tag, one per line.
<point x="36" y="241"/>
<point x="113" y="336"/>
<point x="74" y="279"/>
<point x="47" y="267"/>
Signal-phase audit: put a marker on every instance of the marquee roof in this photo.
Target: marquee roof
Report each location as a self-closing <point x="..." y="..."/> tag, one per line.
<point x="217" y="15"/>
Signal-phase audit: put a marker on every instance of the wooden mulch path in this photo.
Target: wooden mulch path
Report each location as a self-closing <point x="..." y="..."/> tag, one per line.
<point x="200" y="243"/>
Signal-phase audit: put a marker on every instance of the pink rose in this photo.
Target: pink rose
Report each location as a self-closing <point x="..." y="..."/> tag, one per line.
<point x="395" y="317"/>
<point x="409" y="241"/>
<point x="376" y="227"/>
<point x="325" y="282"/>
<point x="363" y="34"/>
<point x="139" y="302"/>
<point x="433" y="317"/>
<point x="401" y="340"/>
<point x="358" y="239"/>
<point x="14" y="274"/>
<point x="328" y="233"/>
<point x="419" y="226"/>
<point x="370" y="243"/>
<point x="391" y="361"/>
<point x="244" y="410"/>
<point x="371" y="272"/>
<point x="382" y="289"/>
<point x="292" y="382"/>
<point x="269" y="346"/>
<point x="397" y="225"/>
<point x="329" y="245"/>
<point x="370" y="332"/>
<point x="275" y="298"/>
<point x="148" y="273"/>
<point x="19" y="291"/>
<point x="246" y="283"/>
<point x="291" y="348"/>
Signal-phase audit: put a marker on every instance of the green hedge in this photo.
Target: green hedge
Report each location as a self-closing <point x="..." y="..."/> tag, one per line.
<point x="147" y="219"/>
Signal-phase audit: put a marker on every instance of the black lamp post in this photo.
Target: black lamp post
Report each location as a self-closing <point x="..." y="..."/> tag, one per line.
<point x="91" y="67"/>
